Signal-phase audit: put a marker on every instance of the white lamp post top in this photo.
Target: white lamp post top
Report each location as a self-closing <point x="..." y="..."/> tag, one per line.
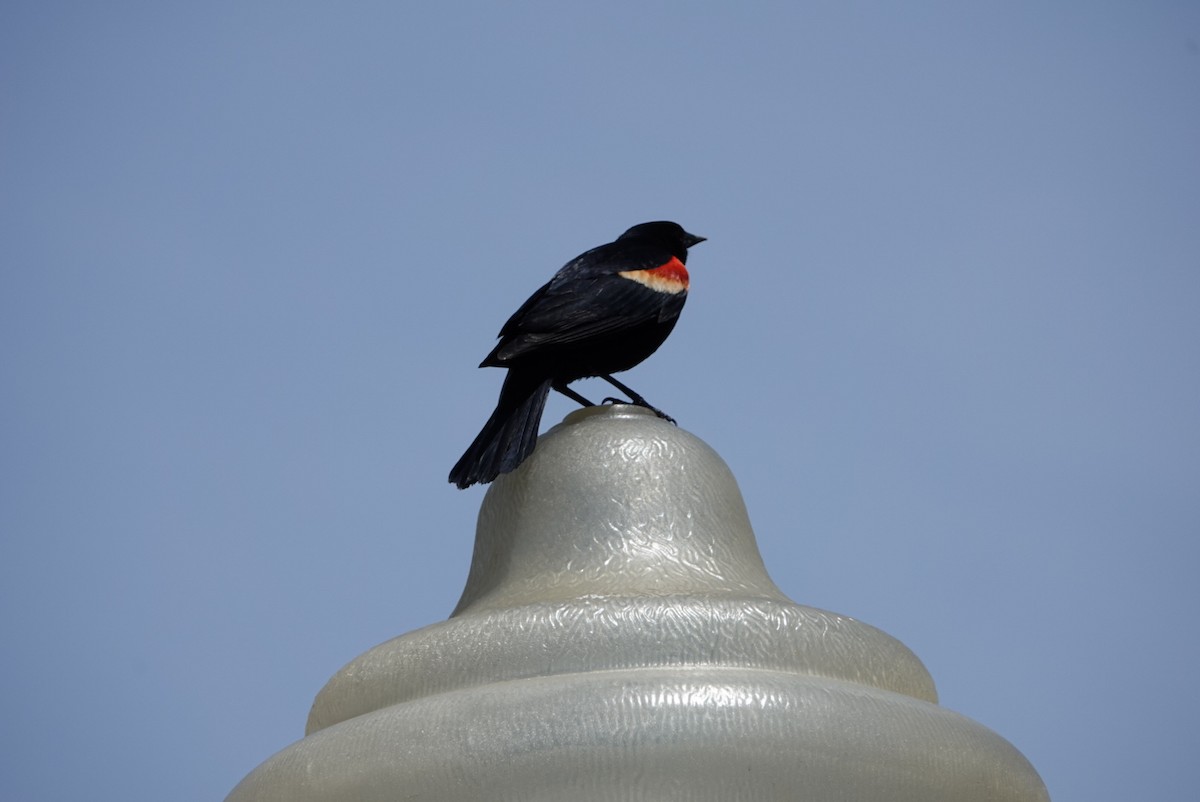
<point x="618" y="639"/>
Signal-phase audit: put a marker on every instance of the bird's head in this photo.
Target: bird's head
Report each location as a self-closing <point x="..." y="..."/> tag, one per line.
<point x="664" y="232"/>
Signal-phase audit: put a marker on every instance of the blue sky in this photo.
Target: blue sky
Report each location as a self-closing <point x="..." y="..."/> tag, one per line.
<point x="945" y="331"/>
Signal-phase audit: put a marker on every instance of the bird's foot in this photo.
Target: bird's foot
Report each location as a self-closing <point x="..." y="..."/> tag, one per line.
<point x="638" y="401"/>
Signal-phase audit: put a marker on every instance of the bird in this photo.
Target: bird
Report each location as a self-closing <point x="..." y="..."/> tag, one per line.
<point x="603" y="312"/>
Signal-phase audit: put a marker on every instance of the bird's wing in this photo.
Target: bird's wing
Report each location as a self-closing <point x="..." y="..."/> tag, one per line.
<point x="584" y="308"/>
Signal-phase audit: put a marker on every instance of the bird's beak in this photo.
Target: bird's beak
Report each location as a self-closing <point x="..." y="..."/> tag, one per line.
<point x="692" y="239"/>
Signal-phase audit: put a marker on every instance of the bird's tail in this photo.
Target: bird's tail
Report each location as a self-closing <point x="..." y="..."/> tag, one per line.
<point x="509" y="435"/>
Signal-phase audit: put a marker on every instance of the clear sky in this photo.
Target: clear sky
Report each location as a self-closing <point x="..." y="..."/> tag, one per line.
<point x="945" y="331"/>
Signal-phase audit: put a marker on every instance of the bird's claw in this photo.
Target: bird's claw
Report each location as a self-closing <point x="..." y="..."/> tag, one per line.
<point x="641" y="402"/>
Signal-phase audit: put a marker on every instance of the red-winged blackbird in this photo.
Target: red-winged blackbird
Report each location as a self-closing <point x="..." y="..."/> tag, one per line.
<point x="605" y="311"/>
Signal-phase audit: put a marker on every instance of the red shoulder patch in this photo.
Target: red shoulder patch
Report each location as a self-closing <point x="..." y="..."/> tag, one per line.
<point x="670" y="277"/>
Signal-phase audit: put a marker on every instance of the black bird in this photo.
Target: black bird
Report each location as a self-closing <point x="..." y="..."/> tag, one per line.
<point x="605" y="311"/>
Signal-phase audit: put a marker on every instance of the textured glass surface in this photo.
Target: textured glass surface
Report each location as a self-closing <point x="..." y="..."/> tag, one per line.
<point x="619" y="639"/>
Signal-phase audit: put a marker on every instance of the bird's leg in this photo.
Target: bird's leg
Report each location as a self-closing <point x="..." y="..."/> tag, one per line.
<point x="571" y="394"/>
<point x="634" y="397"/>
